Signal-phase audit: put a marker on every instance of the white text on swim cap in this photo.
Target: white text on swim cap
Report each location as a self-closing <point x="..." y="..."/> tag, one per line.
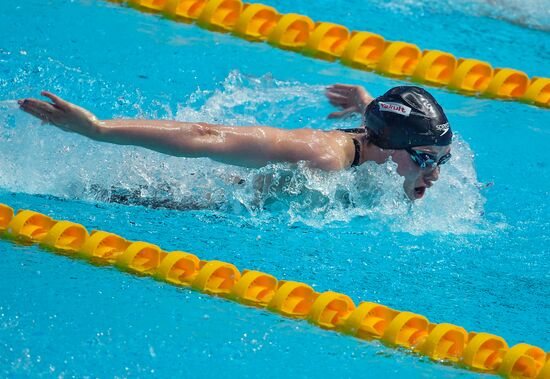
<point x="442" y="128"/>
<point x="395" y="108"/>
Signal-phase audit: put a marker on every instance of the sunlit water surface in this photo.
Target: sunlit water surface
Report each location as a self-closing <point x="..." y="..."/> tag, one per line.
<point x="474" y="252"/>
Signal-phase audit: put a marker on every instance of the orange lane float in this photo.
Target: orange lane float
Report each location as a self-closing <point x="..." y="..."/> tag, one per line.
<point x="329" y="310"/>
<point x="178" y="268"/>
<point x="369" y="320"/>
<point x="363" y="50"/>
<point x="216" y="278"/>
<point x="65" y="236"/>
<point x="292" y="299"/>
<point x="29" y="226"/>
<point x="220" y="14"/>
<point x="471" y="75"/>
<point x="359" y="49"/>
<point x="435" y="67"/>
<point x="186" y="9"/>
<point x="399" y="59"/>
<point x="105" y="246"/>
<point x="444" y="342"/>
<point x="508" y="83"/>
<point x="256" y="22"/>
<point x="254" y="288"/>
<point x="139" y="257"/>
<point x="538" y="92"/>
<point x="291" y="32"/>
<point x="6" y="214"/>
<point x="327" y="40"/>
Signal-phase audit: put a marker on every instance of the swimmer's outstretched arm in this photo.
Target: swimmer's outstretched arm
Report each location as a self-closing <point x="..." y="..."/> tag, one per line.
<point x="251" y="146"/>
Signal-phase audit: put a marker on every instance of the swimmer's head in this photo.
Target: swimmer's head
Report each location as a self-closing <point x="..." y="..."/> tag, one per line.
<point x="406" y="117"/>
<point x="409" y="123"/>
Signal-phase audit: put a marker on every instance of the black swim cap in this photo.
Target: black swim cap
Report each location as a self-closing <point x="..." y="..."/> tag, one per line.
<point x="407" y="116"/>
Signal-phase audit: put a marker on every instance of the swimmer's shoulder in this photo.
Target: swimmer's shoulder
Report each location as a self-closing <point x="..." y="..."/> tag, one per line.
<point x="354" y="142"/>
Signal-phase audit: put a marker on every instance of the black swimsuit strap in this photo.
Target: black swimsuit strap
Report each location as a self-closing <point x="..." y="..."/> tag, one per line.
<point x="356" y="143"/>
<point x="357" y="156"/>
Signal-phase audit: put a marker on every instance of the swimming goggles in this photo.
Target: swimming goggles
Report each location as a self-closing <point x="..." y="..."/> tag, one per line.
<point x="425" y="160"/>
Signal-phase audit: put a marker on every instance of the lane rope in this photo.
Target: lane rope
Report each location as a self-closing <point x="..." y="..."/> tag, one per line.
<point x="359" y="49"/>
<point x="444" y="342"/>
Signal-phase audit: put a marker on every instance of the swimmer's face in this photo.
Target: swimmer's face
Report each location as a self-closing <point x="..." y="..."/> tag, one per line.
<point x="418" y="179"/>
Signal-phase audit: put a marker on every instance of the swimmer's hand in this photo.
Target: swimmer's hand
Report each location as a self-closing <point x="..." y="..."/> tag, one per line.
<point x="351" y="98"/>
<point x="61" y="113"/>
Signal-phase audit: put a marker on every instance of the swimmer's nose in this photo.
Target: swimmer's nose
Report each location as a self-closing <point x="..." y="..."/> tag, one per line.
<point x="433" y="175"/>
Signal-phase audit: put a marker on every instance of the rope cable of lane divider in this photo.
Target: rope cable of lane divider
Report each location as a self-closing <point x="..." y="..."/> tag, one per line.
<point x="359" y="49"/>
<point x="329" y="310"/>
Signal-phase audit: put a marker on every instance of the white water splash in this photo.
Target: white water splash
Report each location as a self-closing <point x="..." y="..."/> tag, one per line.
<point x="43" y="160"/>
<point x="534" y="14"/>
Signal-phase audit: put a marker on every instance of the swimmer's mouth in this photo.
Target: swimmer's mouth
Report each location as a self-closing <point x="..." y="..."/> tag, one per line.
<point x="419" y="192"/>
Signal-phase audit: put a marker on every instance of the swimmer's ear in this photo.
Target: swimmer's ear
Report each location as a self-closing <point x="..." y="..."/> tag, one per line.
<point x="55" y="99"/>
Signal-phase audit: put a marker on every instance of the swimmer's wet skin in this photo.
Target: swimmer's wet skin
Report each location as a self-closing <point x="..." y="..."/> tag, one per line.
<point x="405" y="124"/>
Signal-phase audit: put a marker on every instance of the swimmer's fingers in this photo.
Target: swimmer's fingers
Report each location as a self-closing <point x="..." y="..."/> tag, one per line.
<point x="46" y="112"/>
<point x="38" y="108"/>
<point x="343" y="113"/>
<point x="57" y="101"/>
<point x="348" y="88"/>
<point x="351" y="98"/>
<point x="335" y="95"/>
<point x="342" y="87"/>
<point x="339" y="100"/>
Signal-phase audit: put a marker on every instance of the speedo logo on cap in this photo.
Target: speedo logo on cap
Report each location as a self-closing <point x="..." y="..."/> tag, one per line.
<point x="395" y="108"/>
<point x="442" y="128"/>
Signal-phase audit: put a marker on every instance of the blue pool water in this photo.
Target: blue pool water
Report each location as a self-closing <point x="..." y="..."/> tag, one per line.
<point x="474" y="252"/>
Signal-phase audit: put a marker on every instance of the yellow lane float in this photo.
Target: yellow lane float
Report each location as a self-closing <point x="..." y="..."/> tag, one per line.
<point x="484" y="351"/>
<point x="105" y="246"/>
<point x="292" y="299"/>
<point x="444" y="342"/>
<point x="29" y="226"/>
<point x="256" y="22"/>
<point x="220" y="14"/>
<point x="179" y="268"/>
<point x="216" y="278"/>
<point x="471" y="76"/>
<point x="65" y="236"/>
<point x="435" y="67"/>
<point x="327" y="40"/>
<point x="291" y="32"/>
<point x="538" y="92"/>
<point x="399" y="59"/>
<point x="359" y="49"/>
<point x="406" y="329"/>
<point x="6" y="214"/>
<point x="329" y="310"/>
<point x="186" y="9"/>
<point x="363" y="50"/>
<point x="369" y="320"/>
<point x="254" y="288"/>
<point x="139" y="257"/>
<point x="507" y="83"/>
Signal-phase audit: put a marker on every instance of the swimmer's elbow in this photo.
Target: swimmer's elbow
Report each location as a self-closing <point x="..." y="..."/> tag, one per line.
<point x="196" y="140"/>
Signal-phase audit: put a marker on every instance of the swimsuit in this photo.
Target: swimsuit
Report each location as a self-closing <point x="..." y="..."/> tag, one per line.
<point x="356" y="143"/>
